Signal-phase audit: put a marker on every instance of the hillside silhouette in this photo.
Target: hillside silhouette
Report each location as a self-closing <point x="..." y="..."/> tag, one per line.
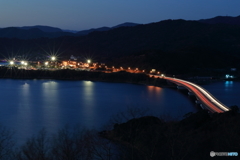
<point x="43" y="28"/>
<point x="170" y="45"/>
<point x="31" y="33"/>
<point x="222" y="19"/>
<point x="193" y="137"/>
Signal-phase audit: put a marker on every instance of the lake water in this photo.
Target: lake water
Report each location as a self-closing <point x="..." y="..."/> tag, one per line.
<point x="30" y="105"/>
<point x="228" y="92"/>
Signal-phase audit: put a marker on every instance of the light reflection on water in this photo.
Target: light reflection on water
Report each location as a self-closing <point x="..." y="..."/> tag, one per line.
<point x="88" y="102"/>
<point x="228" y="84"/>
<point x="29" y="105"/>
<point x="25" y="114"/>
<point x="50" y="104"/>
<point x="154" y="90"/>
<point x="226" y="91"/>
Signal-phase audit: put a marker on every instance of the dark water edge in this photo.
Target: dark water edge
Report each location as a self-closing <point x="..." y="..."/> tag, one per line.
<point x="74" y="75"/>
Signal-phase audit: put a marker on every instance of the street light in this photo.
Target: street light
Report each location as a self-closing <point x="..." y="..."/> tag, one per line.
<point x="11" y="62"/>
<point x="53" y="58"/>
<point x="46" y="63"/>
<point x="88" y="61"/>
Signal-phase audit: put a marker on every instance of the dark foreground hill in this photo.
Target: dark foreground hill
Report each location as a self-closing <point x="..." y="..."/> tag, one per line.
<point x="141" y="137"/>
<point x="194" y="137"/>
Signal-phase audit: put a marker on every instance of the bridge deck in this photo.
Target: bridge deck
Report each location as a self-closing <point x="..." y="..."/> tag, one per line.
<point x="207" y="99"/>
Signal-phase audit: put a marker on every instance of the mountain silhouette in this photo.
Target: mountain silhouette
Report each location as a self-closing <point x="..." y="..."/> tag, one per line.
<point x="169" y="45"/>
<point x="126" y="24"/>
<point x="30" y="33"/>
<point x="38" y="31"/>
<point x="85" y="32"/>
<point x="222" y="19"/>
<point x="42" y="28"/>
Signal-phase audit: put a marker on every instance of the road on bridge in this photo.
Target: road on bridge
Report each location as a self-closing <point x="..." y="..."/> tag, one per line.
<point x="208" y="100"/>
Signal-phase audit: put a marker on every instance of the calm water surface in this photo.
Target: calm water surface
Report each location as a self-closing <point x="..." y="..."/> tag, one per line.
<point x="228" y="92"/>
<point x="30" y="105"/>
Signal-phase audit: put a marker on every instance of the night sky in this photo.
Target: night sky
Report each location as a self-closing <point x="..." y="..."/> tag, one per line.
<point x="86" y="14"/>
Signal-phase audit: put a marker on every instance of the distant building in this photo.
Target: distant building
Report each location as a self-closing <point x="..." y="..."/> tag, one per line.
<point x="73" y="58"/>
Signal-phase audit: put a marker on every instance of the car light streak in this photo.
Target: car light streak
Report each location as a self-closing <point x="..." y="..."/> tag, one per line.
<point x="208" y="95"/>
<point x="207" y="99"/>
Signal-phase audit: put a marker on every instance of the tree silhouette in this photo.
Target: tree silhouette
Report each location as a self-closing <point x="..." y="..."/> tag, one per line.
<point x="6" y="143"/>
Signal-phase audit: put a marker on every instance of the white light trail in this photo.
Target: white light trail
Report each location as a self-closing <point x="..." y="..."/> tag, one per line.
<point x="207" y="94"/>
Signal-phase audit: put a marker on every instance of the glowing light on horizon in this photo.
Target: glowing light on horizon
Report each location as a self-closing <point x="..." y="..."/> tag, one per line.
<point x="53" y="58"/>
<point x="11" y="62"/>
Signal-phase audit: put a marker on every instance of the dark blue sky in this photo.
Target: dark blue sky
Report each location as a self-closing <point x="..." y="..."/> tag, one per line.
<point x="85" y="14"/>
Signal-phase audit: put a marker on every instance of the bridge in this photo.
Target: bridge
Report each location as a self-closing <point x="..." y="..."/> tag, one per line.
<point x="206" y="99"/>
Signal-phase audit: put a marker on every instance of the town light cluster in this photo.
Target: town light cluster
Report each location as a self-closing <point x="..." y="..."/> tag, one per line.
<point x="24" y="63"/>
